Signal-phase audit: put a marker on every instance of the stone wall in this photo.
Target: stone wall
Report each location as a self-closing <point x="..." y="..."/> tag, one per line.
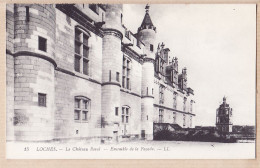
<point x="9" y="71"/>
<point x="134" y="125"/>
<point x="67" y="88"/>
<point x="168" y="105"/>
<point x="70" y="83"/>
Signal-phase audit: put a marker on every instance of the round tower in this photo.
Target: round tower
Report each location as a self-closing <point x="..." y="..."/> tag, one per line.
<point x="147" y="34"/>
<point x="34" y="42"/>
<point x="111" y="71"/>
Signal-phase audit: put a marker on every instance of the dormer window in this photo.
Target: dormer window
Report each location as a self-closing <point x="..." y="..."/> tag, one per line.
<point x="127" y="34"/>
<point x="94" y="8"/>
<point x="161" y="65"/>
<point x="138" y="43"/>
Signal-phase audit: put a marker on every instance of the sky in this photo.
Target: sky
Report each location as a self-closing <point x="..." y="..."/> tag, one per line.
<point x="217" y="44"/>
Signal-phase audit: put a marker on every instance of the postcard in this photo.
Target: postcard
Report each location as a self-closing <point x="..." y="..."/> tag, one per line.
<point x="130" y="81"/>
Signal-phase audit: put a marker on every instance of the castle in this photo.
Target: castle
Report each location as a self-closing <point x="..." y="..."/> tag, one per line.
<point x="75" y="71"/>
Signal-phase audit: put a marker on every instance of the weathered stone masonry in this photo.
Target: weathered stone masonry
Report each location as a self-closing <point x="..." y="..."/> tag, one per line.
<point x="75" y="71"/>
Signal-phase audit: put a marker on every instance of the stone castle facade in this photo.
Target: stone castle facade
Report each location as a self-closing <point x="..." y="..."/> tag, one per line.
<point x="75" y="71"/>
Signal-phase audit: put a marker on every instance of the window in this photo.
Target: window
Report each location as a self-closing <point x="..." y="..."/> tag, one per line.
<point x="85" y="109"/>
<point x="175" y="100"/>
<point x="109" y="75"/>
<point x="42" y="44"/>
<point x="103" y="17"/>
<point x="81" y="108"/>
<point x="138" y="43"/>
<point x="42" y="99"/>
<point x="127" y="34"/>
<point x="161" y="94"/>
<point x="174" y="117"/>
<point x="76" y="115"/>
<point x="117" y="76"/>
<point x="175" y="79"/>
<point x="81" y="62"/>
<point x="125" y="114"/>
<point x="156" y="67"/>
<point x="94" y="8"/>
<point x="84" y="115"/>
<point x="226" y="110"/>
<point x="191" y="102"/>
<point x="160" y="115"/>
<point x="116" y="111"/>
<point x="27" y="13"/>
<point x="184" y="104"/>
<point x="151" y="47"/>
<point x="126" y="73"/>
<point x="184" y="120"/>
<point x="161" y="65"/>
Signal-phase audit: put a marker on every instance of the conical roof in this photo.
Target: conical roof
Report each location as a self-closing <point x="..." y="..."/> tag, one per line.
<point x="147" y="21"/>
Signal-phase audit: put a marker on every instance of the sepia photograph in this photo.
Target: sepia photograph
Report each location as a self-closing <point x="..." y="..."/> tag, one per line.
<point x="130" y="81"/>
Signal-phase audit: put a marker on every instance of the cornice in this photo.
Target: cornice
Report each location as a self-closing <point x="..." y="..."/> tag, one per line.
<point x="161" y="106"/>
<point x="113" y="32"/>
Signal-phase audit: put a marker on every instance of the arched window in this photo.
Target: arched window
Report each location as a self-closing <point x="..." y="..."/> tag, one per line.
<point x="81" y="62"/>
<point x="81" y="108"/>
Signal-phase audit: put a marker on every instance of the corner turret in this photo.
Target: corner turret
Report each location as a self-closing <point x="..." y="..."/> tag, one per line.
<point x="147" y="34"/>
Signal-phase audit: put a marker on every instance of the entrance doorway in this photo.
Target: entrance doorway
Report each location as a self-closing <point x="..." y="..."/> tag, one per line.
<point x="143" y="134"/>
<point x="115" y="136"/>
